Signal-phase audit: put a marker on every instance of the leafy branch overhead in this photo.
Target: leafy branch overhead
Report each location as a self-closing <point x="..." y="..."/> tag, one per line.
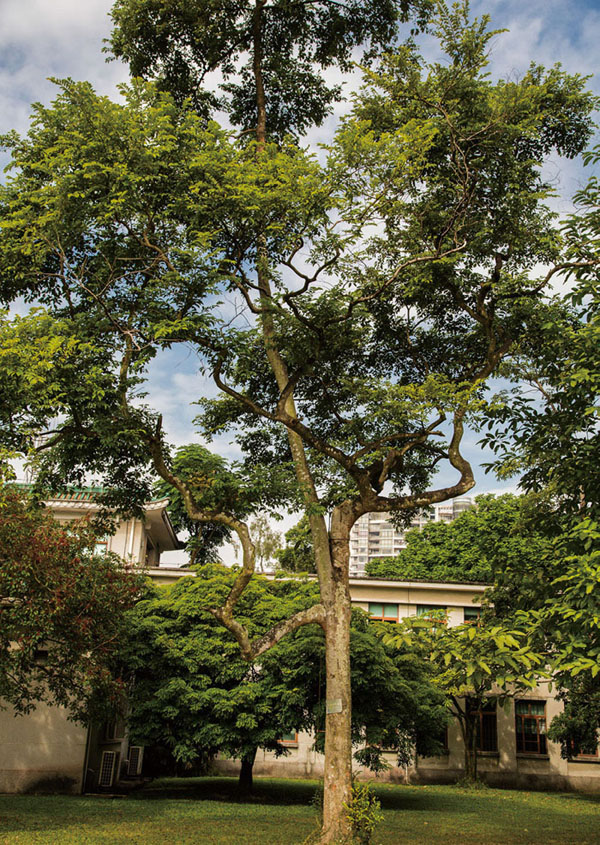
<point x="139" y="222"/>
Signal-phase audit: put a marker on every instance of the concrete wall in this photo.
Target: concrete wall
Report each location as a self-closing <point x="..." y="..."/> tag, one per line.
<point x="128" y="541"/>
<point x="453" y="598"/>
<point x="41" y="752"/>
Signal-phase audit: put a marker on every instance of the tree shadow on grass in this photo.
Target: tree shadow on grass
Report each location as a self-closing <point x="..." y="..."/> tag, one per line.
<point x="452" y="798"/>
<point x="581" y="796"/>
<point x="265" y="791"/>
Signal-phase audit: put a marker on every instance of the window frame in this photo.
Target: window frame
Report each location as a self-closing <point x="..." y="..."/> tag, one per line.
<point x="475" y="620"/>
<point x="484" y="712"/>
<point x="101" y="546"/>
<point x="537" y="718"/>
<point x="583" y="757"/>
<point x="383" y="617"/>
<point x="424" y="611"/>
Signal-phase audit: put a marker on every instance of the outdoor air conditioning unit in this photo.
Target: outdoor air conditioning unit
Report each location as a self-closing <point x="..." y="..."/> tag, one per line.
<point x="108" y="768"/>
<point x="136" y="755"/>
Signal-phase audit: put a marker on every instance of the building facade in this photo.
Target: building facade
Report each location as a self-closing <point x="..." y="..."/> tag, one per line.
<point x="514" y="750"/>
<point x="44" y="751"/>
<point x="374" y="535"/>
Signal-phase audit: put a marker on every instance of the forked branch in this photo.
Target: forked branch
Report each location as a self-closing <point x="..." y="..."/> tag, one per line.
<point x="251" y="649"/>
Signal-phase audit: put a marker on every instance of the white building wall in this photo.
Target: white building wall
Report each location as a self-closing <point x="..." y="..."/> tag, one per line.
<point x="42" y="751"/>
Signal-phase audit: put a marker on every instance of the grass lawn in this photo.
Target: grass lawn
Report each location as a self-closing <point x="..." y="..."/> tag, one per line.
<point x="204" y="811"/>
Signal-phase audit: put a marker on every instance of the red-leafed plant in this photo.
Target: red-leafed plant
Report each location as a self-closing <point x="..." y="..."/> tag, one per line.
<point x="62" y="612"/>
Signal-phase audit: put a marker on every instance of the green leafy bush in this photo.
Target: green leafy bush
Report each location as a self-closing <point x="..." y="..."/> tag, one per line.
<point x="364" y="813"/>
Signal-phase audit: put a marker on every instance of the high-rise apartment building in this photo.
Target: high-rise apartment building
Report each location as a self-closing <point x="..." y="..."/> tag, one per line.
<point x="373" y="535"/>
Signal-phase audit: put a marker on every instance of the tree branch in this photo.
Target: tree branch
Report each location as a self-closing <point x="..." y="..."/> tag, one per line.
<point x="253" y="649"/>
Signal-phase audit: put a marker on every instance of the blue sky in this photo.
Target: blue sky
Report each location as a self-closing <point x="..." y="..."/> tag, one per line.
<point x="60" y="38"/>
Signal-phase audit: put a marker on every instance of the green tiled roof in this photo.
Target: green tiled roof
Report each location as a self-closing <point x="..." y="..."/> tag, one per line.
<point x="86" y="494"/>
<point x="75" y="494"/>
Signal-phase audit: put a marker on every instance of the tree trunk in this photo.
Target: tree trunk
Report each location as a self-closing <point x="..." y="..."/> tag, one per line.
<point x="470" y="742"/>
<point x="337" y="780"/>
<point x="245" y="779"/>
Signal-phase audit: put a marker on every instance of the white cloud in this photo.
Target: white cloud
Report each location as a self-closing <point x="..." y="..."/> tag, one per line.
<point x="41" y="39"/>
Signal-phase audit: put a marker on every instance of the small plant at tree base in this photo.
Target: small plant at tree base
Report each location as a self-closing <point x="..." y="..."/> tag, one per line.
<point x="364" y="813"/>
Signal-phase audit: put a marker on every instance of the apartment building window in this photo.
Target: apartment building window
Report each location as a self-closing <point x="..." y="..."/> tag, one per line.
<point x="530" y="719"/>
<point x="383" y="612"/>
<point x="289" y="738"/>
<point x="486" y="724"/>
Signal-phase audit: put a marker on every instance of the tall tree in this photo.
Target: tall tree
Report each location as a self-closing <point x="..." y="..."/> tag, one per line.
<point x="546" y="429"/>
<point x="476" y="665"/>
<point x="196" y="465"/>
<point x="271" y="55"/>
<point x="266" y="540"/>
<point x="193" y="693"/>
<point x="298" y="554"/>
<point x="368" y="298"/>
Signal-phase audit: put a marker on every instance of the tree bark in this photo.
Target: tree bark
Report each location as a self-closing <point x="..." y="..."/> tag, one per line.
<point x="245" y="779"/>
<point x="335" y="592"/>
<point x="470" y="742"/>
<point x="337" y="778"/>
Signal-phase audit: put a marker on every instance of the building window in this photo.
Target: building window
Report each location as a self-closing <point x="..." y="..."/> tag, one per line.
<point x="432" y="611"/>
<point x="101" y="546"/>
<point x="530" y="719"/>
<point x="486" y="725"/>
<point x="472" y="614"/>
<point x="383" y="612"/>
<point x="289" y="738"/>
<point x="577" y="752"/>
